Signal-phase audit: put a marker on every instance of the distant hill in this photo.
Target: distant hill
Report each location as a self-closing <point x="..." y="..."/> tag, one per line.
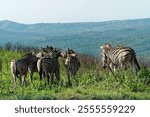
<point x="83" y="37"/>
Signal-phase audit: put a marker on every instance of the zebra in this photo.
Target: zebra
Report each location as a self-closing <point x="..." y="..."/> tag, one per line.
<point x="72" y="64"/>
<point x="50" y="66"/>
<point x="119" y="57"/>
<point x="19" y="68"/>
<point x="44" y="53"/>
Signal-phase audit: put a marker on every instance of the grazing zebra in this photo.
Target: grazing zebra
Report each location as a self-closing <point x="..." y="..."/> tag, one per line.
<point x="72" y="64"/>
<point x="19" y="68"/>
<point x="119" y="57"/>
<point x="50" y="65"/>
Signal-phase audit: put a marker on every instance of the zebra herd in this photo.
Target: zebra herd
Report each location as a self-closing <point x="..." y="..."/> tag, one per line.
<point x="47" y="65"/>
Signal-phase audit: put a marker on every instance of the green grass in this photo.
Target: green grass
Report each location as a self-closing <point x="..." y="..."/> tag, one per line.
<point x="90" y="83"/>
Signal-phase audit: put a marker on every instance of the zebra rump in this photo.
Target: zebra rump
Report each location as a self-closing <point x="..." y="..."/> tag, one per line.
<point x="49" y="65"/>
<point x="19" y="69"/>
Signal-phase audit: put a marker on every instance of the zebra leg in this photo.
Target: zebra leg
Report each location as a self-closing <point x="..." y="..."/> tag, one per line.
<point x="20" y="79"/>
<point x="48" y="77"/>
<point x="14" y="76"/>
<point x="31" y="76"/>
<point x="52" y="78"/>
<point x="74" y="72"/>
<point x="57" y="74"/>
<point x="23" y="80"/>
<point x="112" y="67"/>
<point x="68" y="77"/>
<point x="40" y="74"/>
<point x="121" y="65"/>
<point x="44" y="76"/>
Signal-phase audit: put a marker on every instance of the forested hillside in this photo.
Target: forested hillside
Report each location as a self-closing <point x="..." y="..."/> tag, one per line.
<point x="83" y="37"/>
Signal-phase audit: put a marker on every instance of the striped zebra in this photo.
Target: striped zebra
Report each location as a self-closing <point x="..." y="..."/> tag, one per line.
<point x="49" y="66"/>
<point x="119" y="57"/>
<point x="19" y="68"/>
<point x="72" y="64"/>
<point x="44" y="53"/>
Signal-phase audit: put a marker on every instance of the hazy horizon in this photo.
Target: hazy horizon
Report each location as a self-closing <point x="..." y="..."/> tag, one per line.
<point x="70" y="11"/>
<point x="75" y="21"/>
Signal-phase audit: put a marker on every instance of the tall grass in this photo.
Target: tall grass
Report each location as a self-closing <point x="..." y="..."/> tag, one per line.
<point x="91" y="82"/>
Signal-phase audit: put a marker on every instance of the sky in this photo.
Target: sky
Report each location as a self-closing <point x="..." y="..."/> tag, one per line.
<point x="63" y="11"/>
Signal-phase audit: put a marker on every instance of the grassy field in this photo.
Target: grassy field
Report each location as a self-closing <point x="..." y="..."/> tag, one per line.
<point x="92" y="83"/>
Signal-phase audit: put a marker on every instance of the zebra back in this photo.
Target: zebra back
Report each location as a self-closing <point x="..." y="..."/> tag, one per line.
<point x="118" y="56"/>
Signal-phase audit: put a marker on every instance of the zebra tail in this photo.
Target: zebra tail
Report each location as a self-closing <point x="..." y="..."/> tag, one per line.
<point x="136" y="62"/>
<point x="14" y="68"/>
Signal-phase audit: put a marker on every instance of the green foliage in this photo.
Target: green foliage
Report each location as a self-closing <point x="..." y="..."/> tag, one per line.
<point x="89" y="83"/>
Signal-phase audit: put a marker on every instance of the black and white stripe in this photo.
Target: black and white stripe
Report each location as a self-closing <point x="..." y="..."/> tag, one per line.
<point x="119" y="57"/>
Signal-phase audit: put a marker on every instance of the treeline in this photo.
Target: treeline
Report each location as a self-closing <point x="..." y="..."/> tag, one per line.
<point x="17" y="47"/>
<point x="87" y="60"/>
